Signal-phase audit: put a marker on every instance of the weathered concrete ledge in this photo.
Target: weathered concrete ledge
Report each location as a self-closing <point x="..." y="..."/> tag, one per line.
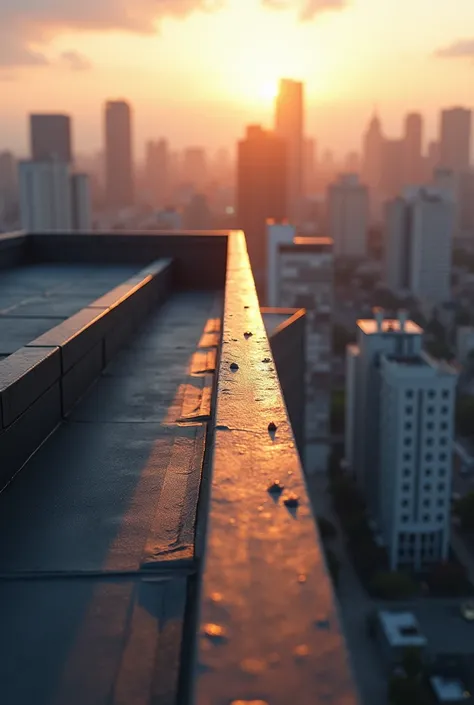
<point x="268" y="623"/>
<point x="40" y="383"/>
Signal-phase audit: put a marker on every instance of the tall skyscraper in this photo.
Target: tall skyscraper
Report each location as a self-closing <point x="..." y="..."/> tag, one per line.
<point x="119" y="177"/>
<point x="348" y="216"/>
<point x="304" y="279"/>
<point x="45" y="196"/>
<point x="455" y="139"/>
<point x="372" y="154"/>
<point x="289" y="125"/>
<point x="50" y="138"/>
<point x="412" y="150"/>
<point x="309" y="166"/>
<point x="157" y="172"/>
<point x="261" y="193"/>
<point x="419" y="229"/>
<point x="399" y="436"/>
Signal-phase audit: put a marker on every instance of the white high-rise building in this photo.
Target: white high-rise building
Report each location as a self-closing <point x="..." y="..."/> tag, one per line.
<point x="419" y="229"/>
<point x="304" y="279"/>
<point x="81" y="202"/>
<point x="277" y="234"/>
<point x="51" y="199"/>
<point x="399" y="435"/>
<point x="45" y="196"/>
<point x="348" y="216"/>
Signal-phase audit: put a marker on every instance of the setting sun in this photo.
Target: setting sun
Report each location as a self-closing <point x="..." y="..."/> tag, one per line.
<point x="269" y="90"/>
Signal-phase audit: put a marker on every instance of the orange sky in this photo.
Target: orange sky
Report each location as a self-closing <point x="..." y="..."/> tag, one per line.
<point x="199" y="77"/>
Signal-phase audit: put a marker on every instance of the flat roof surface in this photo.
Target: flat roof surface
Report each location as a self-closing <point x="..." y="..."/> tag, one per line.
<point x="36" y="297"/>
<point x="448" y="690"/>
<point x="401" y="628"/>
<point x="93" y="584"/>
<point x="369" y="326"/>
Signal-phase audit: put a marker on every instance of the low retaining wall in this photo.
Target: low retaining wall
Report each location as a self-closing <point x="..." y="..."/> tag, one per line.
<point x="41" y="382"/>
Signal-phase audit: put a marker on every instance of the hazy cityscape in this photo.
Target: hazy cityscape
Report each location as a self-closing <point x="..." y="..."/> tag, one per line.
<point x="237" y="405"/>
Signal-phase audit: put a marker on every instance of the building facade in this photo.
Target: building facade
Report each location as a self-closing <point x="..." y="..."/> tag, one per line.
<point x="399" y="436"/>
<point x="119" y="177"/>
<point x="289" y="125"/>
<point x="50" y="138"/>
<point x="261" y="194"/>
<point x="305" y="280"/>
<point x="45" y="196"/>
<point x="455" y="139"/>
<point x="81" y="202"/>
<point x="348" y="216"/>
<point x="157" y="172"/>
<point x="419" y="229"/>
<point x="412" y="150"/>
<point x="53" y="199"/>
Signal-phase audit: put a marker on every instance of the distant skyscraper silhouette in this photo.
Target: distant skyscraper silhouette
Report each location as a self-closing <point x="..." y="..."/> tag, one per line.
<point x="50" y="138"/>
<point x="432" y="160"/>
<point x="455" y="139"/>
<point x="372" y="153"/>
<point x="412" y="149"/>
<point x="392" y="176"/>
<point x="194" y="167"/>
<point x="118" y="154"/>
<point x="289" y="125"/>
<point x="261" y="192"/>
<point x="348" y="216"/>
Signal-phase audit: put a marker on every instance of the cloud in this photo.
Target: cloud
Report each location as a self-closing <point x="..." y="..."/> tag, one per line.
<point x="75" y="61"/>
<point x="462" y="49"/>
<point x="307" y="9"/>
<point x="27" y="24"/>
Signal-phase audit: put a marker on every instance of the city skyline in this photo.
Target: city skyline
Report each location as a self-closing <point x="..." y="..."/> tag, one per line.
<point x="73" y="63"/>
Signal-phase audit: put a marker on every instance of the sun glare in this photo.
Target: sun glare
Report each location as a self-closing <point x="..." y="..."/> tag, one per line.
<point x="269" y="90"/>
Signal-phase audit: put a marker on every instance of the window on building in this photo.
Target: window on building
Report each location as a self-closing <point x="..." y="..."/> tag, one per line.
<point x="407" y="441"/>
<point x="445" y="394"/>
<point x="426" y="518"/>
<point x="442" y="472"/>
<point x="440" y="517"/>
<point x="405" y="487"/>
<point x="428" y="457"/>
<point x="405" y="503"/>
<point x="429" y="441"/>
<point x="407" y="457"/>
<point x="427" y="487"/>
<point x="428" y="472"/>
<point x="429" y="426"/>
<point x="443" y="441"/>
<point x="443" y="426"/>
<point x="440" y="502"/>
<point x="444" y="410"/>
<point x="408" y="426"/>
<point x="409" y="410"/>
<point x="443" y="457"/>
<point x="430" y="410"/>
<point x="405" y="518"/>
<point x="409" y="393"/>
<point x="426" y="503"/>
<point x="441" y="487"/>
<point x="431" y="394"/>
<point x="406" y="472"/>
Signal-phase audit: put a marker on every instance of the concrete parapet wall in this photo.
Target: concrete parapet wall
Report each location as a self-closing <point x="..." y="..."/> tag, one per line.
<point x="41" y="382"/>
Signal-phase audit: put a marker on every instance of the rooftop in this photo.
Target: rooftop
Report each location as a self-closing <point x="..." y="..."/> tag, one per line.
<point x="141" y="543"/>
<point x="370" y="326"/>
<point x="449" y="690"/>
<point x="401" y="629"/>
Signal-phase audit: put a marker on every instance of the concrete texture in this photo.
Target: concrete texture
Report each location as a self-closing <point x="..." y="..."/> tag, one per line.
<point x="95" y="508"/>
<point x="269" y="628"/>
<point x="94" y="585"/>
<point x="77" y="642"/>
<point x="35" y="298"/>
